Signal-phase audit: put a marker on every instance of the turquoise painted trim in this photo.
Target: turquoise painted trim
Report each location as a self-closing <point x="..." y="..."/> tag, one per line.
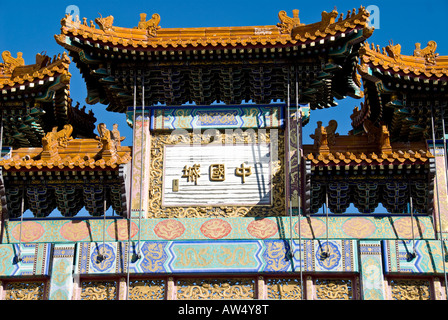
<point x="237" y="228"/>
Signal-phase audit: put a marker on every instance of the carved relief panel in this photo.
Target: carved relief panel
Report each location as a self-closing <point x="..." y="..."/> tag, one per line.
<point x="241" y="174"/>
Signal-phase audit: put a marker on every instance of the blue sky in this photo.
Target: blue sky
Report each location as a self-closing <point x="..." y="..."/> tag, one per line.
<point x="30" y="26"/>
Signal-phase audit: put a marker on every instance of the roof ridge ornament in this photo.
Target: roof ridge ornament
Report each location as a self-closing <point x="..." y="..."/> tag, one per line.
<point x="105" y="24"/>
<point x="428" y="52"/>
<point x="394" y="51"/>
<point x="151" y="26"/>
<point x="287" y="23"/>
<point x="54" y="139"/>
<point x="10" y="63"/>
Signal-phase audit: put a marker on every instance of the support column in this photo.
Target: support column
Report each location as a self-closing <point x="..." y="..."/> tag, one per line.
<point x="122" y="284"/>
<point x="140" y="171"/>
<point x="261" y="288"/>
<point x="61" y="282"/>
<point x="171" y="289"/>
<point x="309" y="288"/>
<point x="440" y="190"/>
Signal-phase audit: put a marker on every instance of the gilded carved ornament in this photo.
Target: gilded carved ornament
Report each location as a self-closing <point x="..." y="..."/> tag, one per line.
<point x="54" y="139"/>
<point x="156" y="210"/>
<point x="325" y="136"/>
<point x="109" y="141"/>
<point x="10" y="63"/>
<point x="287" y="23"/>
<point x="429" y="53"/>
<point x="105" y="24"/>
<point x="151" y="25"/>
<point x="394" y="51"/>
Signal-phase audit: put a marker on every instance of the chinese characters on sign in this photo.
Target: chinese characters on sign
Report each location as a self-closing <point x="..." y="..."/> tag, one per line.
<point x="243" y="172"/>
<point x="192" y="173"/>
<point x="217" y="175"/>
<point x="217" y="172"/>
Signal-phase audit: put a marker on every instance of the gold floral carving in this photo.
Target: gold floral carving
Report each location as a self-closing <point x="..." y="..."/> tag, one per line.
<point x="406" y="289"/>
<point x="215" y="289"/>
<point x="334" y="289"/>
<point x="284" y="289"/>
<point x="99" y="290"/>
<point x="148" y="289"/>
<point x="157" y="155"/>
<point x="25" y="291"/>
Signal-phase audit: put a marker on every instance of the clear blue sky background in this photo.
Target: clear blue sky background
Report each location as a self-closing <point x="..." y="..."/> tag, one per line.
<point x="30" y="26"/>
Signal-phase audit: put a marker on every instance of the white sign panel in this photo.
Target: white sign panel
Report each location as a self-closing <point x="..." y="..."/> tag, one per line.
<point x="215" y="175"/>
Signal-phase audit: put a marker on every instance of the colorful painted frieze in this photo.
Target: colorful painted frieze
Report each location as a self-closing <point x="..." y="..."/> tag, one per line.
<point x="237" y="228"/>
<point x="420" y="256"/>
<point x="251" y="256"/>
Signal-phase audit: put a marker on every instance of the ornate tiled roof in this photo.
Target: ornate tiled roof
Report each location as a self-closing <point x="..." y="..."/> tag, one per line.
<point x="61" y="151"/>
<point x="13" y="71"/>
<point x="217" y="64"/>
<point x="331" y="149"/>
<point x="401" y="91"/>
<point x="36" y="97"/>
<point x="424" y="62"/>
<point x="148" y="34"/>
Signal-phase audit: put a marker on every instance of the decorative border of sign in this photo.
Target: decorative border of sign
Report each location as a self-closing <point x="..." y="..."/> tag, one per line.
<point x="155" y="208"/>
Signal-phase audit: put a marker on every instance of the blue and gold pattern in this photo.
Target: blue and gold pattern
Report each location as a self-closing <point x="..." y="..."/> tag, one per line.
<point x="217" y="256"/>
<point x="61" y="283"/>
<point x="35" y="259"/>
<point x="428" y="256"/>
<point x="372" y="270"/>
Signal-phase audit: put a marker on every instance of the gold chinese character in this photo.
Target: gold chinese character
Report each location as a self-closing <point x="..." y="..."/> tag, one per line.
<point x="217" y="172"/>
<point x="192" y="173"/>
<point x="243" y="172"/>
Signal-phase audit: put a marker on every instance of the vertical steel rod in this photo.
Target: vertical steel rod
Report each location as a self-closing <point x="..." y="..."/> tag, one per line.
<point x="327" y="253"/>
<point x="299" y="159"/>
<point x="130" y="192"/>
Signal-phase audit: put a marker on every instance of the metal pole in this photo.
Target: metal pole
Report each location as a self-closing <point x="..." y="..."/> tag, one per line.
<point x="446" y="174"/>
<point x="327" y="253"/>
<point x="412" y="222"/>
<point x="103" y="256"/>
<point x="130" y="201"/>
